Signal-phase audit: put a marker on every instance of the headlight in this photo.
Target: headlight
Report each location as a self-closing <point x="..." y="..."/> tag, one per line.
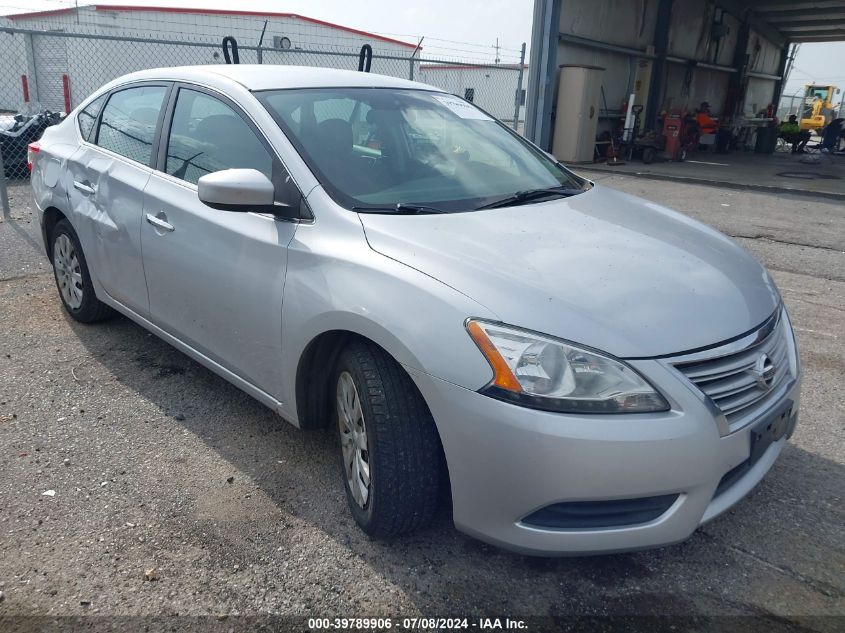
<point x="545" y="373"/>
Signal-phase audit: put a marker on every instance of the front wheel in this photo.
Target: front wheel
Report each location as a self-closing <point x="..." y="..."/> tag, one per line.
<point x="73" y="278"/>
<point x="390" y="451"/>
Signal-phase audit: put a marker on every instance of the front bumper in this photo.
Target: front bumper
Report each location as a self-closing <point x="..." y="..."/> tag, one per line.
<point x="506" y="461"/>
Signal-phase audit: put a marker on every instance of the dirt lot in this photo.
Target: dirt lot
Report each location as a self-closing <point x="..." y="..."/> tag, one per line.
<point x="156" y="462"/>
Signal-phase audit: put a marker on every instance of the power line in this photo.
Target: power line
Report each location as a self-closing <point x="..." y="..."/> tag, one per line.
<point x="438" y="39"/>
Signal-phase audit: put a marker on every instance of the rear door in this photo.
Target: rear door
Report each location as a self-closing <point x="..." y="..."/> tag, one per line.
<point x="216" y="278"/>
<point x="107" y="176"/>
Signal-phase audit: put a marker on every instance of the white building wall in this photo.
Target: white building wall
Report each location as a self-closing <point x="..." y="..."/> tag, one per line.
<point x="13" y="51"/>
<point x="209" y="27"/>
<point x="494" y="88"/>
<point x="91" y="62"/>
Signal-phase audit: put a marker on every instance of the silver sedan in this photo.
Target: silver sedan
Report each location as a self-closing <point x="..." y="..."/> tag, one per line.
<point x="582" y="370"/>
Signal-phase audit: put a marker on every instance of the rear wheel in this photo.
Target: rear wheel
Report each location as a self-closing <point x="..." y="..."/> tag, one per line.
<point x="390" y="450"/>
<point x="72" y="277"/>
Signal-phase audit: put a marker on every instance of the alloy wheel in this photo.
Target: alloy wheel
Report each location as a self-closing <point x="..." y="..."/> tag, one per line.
<point x="68" y="271"/>
<point x="353" y="439"/>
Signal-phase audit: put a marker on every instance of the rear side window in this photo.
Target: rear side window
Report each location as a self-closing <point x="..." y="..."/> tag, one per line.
<point x="206" y="135"/>
<point x="88" y="116"/>
<point x="129" y="122"/>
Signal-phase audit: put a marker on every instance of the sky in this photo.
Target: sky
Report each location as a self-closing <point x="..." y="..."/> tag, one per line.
<point x="822" y="63"/>
<point x="453" y="28"/>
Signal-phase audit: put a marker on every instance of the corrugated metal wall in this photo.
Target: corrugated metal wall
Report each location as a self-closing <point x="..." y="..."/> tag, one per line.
<point x="632" y="25"/>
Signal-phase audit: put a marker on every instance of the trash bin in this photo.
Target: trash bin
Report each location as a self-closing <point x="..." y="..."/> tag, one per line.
<point x="767" y="138"/>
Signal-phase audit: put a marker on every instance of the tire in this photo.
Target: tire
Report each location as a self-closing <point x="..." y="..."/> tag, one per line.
<point x="73" y="279"/>
<point x="400" y="450"/>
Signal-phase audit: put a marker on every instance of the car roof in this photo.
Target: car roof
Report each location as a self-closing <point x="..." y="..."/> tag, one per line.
<point x="274" y="77"/>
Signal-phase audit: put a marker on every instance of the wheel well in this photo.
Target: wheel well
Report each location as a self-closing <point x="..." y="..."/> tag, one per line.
<point x="313" y="383"/>
<point x="52" y="216"/>
<point x="313" y="377"/>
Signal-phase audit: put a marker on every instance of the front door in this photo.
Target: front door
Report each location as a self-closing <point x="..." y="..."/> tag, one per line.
<point x="215" y="278"/>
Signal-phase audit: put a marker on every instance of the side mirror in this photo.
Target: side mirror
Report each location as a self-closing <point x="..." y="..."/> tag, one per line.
<point x="241" y="190"/>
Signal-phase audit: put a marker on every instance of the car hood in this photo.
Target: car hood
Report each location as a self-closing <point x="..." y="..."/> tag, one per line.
<point x="603" y="268"/>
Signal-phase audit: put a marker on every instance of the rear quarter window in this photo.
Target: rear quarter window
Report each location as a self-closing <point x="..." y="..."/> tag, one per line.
<point x="87" y="118"/>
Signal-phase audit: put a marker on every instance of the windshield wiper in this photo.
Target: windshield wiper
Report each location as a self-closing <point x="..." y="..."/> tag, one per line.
<point x="531" y="195"/>
<point x="402" y="208"/>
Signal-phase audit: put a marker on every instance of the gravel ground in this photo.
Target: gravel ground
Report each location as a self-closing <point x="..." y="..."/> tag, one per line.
<point x="157" y="463"/>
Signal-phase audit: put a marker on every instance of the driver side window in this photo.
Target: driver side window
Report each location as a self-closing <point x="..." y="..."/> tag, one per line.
<point x="206" y="135"/>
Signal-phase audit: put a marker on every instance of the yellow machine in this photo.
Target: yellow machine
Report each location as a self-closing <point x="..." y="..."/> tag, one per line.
<point x="817" y="109"/>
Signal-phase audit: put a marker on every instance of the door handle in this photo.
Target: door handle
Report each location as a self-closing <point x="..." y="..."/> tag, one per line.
<point x="85" y="187"/>
<point x="159" y="223"/>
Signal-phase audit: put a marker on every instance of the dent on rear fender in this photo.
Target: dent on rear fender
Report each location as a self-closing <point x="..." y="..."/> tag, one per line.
<point x="47" y="182"/>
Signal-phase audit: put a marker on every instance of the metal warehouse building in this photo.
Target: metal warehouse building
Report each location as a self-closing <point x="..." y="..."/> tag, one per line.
<point x="54" y="59"/>
<point x="58" y="70"/>
<point x="672" y="54"/>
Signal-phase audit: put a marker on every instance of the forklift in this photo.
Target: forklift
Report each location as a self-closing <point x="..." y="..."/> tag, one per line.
<point x="817" y="109"/>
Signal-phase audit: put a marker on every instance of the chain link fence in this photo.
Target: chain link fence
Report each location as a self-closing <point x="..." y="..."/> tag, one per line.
<point x="791" y="104"/>
<point x="52" y="71"/>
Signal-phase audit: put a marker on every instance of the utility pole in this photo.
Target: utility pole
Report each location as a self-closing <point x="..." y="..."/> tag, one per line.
<point x="517" y="98"/>
<point x="792" y="55"/>
<point x="496" y="46"/>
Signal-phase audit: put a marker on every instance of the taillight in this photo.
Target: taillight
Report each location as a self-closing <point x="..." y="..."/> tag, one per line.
<point x="31" y="150"/>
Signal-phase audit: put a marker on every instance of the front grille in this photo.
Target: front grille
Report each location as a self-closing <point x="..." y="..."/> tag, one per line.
<point x="732" y="379"/>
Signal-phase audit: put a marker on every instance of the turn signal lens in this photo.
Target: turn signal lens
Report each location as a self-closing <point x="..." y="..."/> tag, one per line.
<point x="502" y="375"/>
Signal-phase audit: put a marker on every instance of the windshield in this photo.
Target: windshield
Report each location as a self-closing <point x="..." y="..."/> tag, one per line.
<point x="375" y="148"/>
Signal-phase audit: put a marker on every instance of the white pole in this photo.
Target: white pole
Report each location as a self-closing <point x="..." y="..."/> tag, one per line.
<point x="629" y="120"/>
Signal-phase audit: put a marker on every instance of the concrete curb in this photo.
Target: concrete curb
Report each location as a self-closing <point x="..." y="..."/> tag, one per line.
<point x="832" y="195"/>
